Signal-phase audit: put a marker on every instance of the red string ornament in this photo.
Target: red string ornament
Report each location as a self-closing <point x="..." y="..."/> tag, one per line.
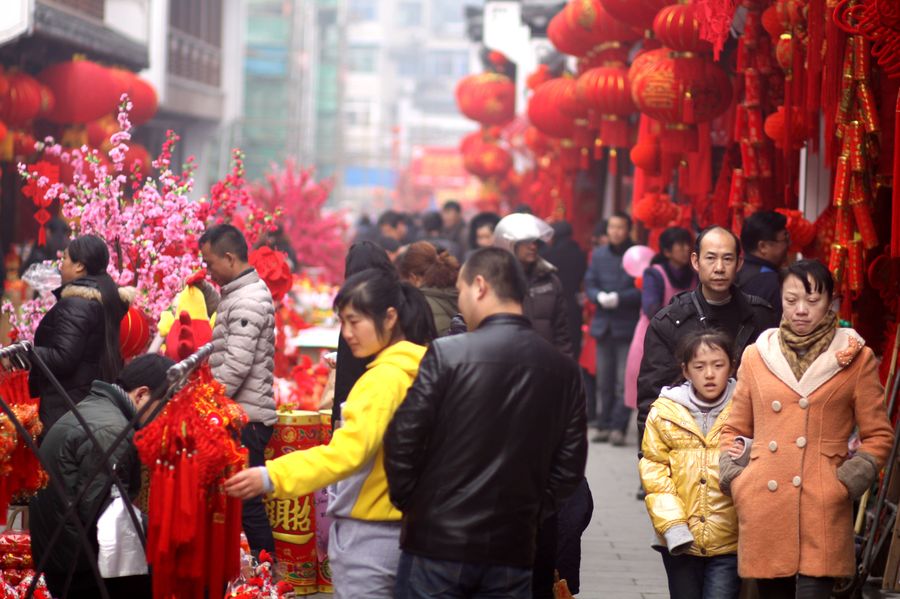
<point x="41" y="176"/>
<point x="20" y="470"/>
<point x="193" y="537"/>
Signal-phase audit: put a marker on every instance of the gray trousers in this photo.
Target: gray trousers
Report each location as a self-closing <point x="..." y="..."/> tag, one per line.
<point x="364" y="557"/>
<point x="612" y="413"/>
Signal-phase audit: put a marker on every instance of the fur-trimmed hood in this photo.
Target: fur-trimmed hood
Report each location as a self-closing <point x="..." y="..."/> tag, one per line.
<point x="86" y="288"/>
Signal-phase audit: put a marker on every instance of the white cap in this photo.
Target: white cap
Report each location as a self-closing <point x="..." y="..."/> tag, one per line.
<point x="519" y="227"/>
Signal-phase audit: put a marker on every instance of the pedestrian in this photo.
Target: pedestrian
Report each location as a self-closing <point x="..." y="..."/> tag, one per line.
<point x="766" y="241"/>
<point x="669" y="274"/>
<point x="72" y="460"/>
<point x="618" y="307"/>
<point x="491" y="435"/>
<point x="390" y="321"/>
<point x="454" y="226"/>
<point x="433" y="227"/>
<point x="78" y="338"/>
<point x="243" y="360"/>
<point x="715" y="304"/>
<point x="802" y="390"/>
<point x="434" y="272"/>
<point x="393" y="225"/>
<point x="545" y="303"/>
<point x="695" y="521"/>
<point x="362" y="255"/>
<point x="481" y="230"/>
<point x="571" y="263"/>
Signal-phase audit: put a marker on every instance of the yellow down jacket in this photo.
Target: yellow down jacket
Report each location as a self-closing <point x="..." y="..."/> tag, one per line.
<point x="680" y="473"/>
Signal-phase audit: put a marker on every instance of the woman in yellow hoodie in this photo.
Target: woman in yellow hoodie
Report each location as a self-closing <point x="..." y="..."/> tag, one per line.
<point x="695" y="522"/>
<point x="390" y="320"/>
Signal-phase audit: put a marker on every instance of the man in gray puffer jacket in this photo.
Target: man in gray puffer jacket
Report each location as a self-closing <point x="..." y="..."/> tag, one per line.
<point x="243" y="358"/>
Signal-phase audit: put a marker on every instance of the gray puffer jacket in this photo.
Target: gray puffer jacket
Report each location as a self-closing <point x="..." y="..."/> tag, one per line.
<point x="243" y="357"/>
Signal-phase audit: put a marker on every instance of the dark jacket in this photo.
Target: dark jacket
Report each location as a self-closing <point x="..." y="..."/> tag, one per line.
<point x="659" y="366"/>
<point x="545" y="306"/>
<point x="70" y="340"/>
<point x="605" y="273"/>
<point x="571" y="264"/>
<point x="443" y="304"/>
<point x="492" y="429"/>
<point x="760" y="278"/>
<point x="349" y="369"/>
<point x="73" y="460"/>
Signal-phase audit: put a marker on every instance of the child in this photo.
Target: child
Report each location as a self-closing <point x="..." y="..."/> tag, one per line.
<point x="696" y="522"/>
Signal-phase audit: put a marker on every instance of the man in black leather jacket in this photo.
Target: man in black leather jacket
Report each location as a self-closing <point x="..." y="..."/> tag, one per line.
<point x="491" y="436"/>
<point x="716" y="303"/>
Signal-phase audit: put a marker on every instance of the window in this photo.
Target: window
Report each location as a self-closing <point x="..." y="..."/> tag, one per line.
<point x="362" y="59"/>
<point x="357" y="112"/>
<point x="447" y="63"/>
<point x="409" y="13"/>
<point x="408" y="65"/>
<point x="360" y="11"/>
<point x="446" y="12"/>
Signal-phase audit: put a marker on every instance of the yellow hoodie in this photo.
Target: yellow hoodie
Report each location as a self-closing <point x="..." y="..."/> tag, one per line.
<point x="355" y="456"/>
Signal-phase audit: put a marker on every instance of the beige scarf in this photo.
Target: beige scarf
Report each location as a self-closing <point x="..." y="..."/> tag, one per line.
<point x="801" y="351"/>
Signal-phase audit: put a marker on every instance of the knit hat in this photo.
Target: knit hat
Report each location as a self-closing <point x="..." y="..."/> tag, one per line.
<point x="148" y="370"/>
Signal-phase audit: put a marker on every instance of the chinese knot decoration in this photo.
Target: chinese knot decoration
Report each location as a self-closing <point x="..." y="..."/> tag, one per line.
<point x="193" y="538"/>
<point x="20" y="471"/>
<point x="39" y="179"/>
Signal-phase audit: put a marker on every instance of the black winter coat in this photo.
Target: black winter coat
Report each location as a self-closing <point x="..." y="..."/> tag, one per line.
<point x="70" y="340"/>
<point x="571" y="264"/>
<point x="659" y="366"/>
<point x="760" y="278"/>
<point x="492" y="430"/>
<point x="545" y="306"/>
<point x="73" y="460"/>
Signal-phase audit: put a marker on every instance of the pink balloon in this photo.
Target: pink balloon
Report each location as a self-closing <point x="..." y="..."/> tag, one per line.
<point x="636" y="259"/>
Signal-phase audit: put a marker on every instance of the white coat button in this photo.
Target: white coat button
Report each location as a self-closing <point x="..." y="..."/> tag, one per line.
<point x="776" y="405"/>
<point x="773" y="445"/>
<point x="801" y="442"/>
<point x="796" y="481"/>
<point x="773" y="485"/>
<point x="804" y="403"/>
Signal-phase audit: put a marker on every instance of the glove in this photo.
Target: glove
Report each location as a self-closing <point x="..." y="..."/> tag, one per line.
<point x="728" y="471"/>
<point x="858" y="473"/>
<point x="608" y="301"/>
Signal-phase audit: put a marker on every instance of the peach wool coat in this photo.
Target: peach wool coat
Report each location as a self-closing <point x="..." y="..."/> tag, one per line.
<point x="794" y="515"/>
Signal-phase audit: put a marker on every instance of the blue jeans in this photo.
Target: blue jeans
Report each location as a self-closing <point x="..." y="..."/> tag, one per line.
<point x="612" y="414"/>
<point x="694" y="577"/>
<point x="423" y="578"/>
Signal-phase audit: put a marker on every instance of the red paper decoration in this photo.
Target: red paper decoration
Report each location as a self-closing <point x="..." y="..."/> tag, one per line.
<point x="43" y="174"/>
<point x="272" y="267"/>
<point x="84" y="91"/>
<point x="134" y="333"/>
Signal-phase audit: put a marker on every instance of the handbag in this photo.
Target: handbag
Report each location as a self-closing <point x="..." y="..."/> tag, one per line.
<point x="120" y="552"/>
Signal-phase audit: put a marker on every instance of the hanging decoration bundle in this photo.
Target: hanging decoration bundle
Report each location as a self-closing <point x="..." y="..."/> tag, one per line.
<point x="20" y="471"/>
<point x="193" y="538"/>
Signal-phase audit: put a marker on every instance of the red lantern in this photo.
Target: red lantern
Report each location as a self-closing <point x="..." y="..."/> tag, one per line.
<point x="679" y="97"/>
<point x="3" y="130"/>
<point x="137" y="159"/>
<point x="23" y="143"/>
<point x="99" y="131"/>
<point x="637" y="13"/>
<point x="134" y="333"/>
<point x="583" y="25"/>
<point x="646" y="156"/>
<point x="84" y="91"/>
<point x="677" y="27"/>
<point x="605" y="92"/>
<point x="488" y="98"/>
<point x="543" y="108"/>
<point x="48" y="100"/>
<point x="23" y="99"/>
<point x="655" y="210"/>
<point x="487" y="160"/>
<point x="144" y="102"/>
<point x="774" y="128"/>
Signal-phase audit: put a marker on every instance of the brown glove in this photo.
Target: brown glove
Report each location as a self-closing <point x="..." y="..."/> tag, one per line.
<point x="858" y="473"/>
<point x="729" y="470"/>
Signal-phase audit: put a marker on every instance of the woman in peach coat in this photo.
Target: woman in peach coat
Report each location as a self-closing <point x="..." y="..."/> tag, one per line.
<point x="802" y="390"/>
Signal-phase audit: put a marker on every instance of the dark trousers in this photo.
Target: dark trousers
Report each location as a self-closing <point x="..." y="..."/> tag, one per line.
<point x="695" y="577"/>
<point x="255" y="436"/>
<point x="795" y="587"/>
<point x="542" y="578"/>
<point x="612" y="354"/>
<point x="423" y="578"/>
<point x="574" y="516"/>
<point x="84" y="586"/>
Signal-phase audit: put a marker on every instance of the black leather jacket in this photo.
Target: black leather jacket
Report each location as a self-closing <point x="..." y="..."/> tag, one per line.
<point x="492" y="431"/>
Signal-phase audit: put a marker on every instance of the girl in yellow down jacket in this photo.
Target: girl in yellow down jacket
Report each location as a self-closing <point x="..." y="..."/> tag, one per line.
<point x="695" y="521"/>
<point x="392" y="321"/>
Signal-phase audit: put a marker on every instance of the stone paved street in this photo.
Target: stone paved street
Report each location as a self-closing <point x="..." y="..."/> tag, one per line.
<point x="617" y="561"/>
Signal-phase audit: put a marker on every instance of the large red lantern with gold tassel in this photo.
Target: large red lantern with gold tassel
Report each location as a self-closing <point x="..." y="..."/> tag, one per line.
<point x="486" y="160"/>
<point x="677" y="27"/>
<point x="488" y="98"/>
<point x="543" y="108"/>
<point x="23" y="100"/>
<point x="605" y="92"/>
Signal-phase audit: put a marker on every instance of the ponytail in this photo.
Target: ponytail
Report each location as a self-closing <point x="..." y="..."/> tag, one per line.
<point x="415" y="316"/>
<point x="436" y="268"/>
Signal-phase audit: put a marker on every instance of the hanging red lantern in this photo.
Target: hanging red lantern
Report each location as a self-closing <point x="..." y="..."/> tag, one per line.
<point x="144" y="102"/>
<point x="604" y="91"/>
<point x="487" y="160"/>
<point x="48" y="100"/>
<point x="678" y="28"/>
<point x="84" y="91"/>
<point x="3" y="130"/>
<point x="137" y="159"/>
<point x="774" y="128"/>
<point x="23" y="143"/>
<point x="543" y="108"/>
<point x="771" y="22"/>
<point x="134" y="333"/>
<point x="655" y="210"/>
<point x="100" y="130"/>
<point x="679" y="97"/>
<point x="646" y="156"/>
<point x="636" y="13"/>
<point x="583" y="25"/>
<point x="487" y="98"/>
<point x="23" y="100"/>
